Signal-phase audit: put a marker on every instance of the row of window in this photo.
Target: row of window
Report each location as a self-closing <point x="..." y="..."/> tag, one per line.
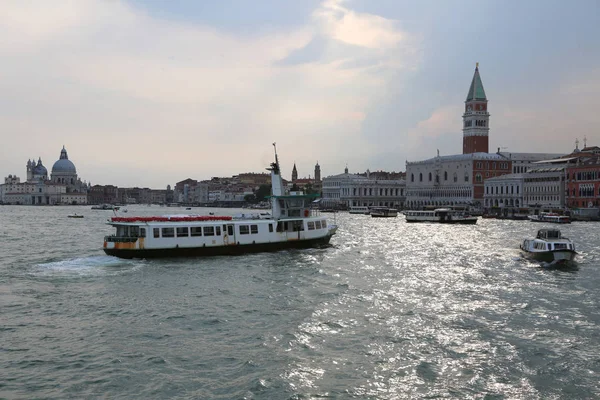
<point x="479" y="165"/>
<point x="382" y="192"/>
<point x="490" y="189"/>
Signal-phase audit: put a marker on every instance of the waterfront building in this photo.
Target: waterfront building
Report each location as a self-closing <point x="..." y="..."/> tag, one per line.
<point x="351" y="190"/>
<point x="522" y="162"/>
<point x="452" y="180"/>
<point x="544" y="187"/>
<point x="583" y="182"/>
<point x="62" y="187"/>
<point x="505" y="191"/>
<point x="103" y="194"/>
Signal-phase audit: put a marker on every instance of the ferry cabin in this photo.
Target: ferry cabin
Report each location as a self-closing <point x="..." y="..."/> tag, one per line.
<point x="223" y="235"/>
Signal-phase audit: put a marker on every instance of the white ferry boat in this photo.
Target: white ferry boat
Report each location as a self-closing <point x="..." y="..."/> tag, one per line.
<point x="292" y="224"/>
<point x="440" y="215"/>
<point x="552" y="218"/>
<point x="383" y="212"/>
<point x="549" y="245"/>
<point x="359" y="210"/>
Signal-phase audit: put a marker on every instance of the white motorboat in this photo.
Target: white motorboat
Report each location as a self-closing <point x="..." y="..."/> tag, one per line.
<point x="359" y="210"/>
<point x="549" y="245"/>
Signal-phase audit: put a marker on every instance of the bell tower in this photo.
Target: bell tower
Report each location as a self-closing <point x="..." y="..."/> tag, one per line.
<point x="294" y="173"/>
<point x="476" y="118"/>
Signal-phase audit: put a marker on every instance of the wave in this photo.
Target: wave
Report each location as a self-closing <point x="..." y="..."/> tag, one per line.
<point x="92" y="265"/>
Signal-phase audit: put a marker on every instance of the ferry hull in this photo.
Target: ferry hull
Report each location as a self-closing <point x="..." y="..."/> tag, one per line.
<point x="217" y="250"/>
<point x="552" y="256"/>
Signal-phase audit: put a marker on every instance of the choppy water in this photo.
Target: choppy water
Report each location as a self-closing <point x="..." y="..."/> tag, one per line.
<point x="390" y="311"/>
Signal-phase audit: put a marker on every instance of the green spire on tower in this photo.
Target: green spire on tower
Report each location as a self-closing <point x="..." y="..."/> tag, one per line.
<point x="476" y="91"/>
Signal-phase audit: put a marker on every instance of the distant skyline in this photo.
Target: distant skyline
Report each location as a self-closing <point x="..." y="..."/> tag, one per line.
<point x="151" y="92"/>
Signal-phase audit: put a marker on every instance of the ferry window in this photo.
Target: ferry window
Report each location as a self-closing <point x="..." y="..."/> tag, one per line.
<point x="196" y="231"/>
<point x="270" y="227"/>
<point x="244" y="230"/>
<point x="253" y="229"/>
<point x="156" y="232"/>
<point x="143" y="232"/>
<point x="168" y="232"/>
<point x="209" y="231"/>
<point x="230" y="230"/>
<point x="183" y="231"/>
<point x="134" y="231"/>
<point x="218" y="230"/>
<point x="324" y="224"/>
<point x="318" y="224"/>
<point x="311" y="225"/>
<point x="280" y="226"/>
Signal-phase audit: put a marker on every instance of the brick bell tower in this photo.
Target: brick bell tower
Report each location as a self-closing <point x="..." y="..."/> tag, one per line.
<point x="476" y="118"/>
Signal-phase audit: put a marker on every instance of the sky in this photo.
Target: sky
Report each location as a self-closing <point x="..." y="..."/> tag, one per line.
<point x="150" y="92"/>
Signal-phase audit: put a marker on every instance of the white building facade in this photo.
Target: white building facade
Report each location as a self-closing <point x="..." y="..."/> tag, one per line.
<point x="545" y="187"/>
<point x="504" y="191"/>
<point x="358" y="190"/>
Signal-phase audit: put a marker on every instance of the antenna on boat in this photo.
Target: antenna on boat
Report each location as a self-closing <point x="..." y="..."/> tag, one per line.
<point x="275" y="148"/>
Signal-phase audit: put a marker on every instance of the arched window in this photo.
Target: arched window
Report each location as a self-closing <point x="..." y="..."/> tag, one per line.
<point x="412" y="177"/>
<point x="445" y="175"/>
<point x="455" y="177"/>
<point x="420" y="177"/>
<point x="466" y="177"/>
<point x="478" y="178"/>
<point x="430" y="177"/>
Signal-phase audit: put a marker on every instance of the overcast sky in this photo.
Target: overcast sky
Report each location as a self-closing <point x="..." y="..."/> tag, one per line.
<point x="150" y="92"/>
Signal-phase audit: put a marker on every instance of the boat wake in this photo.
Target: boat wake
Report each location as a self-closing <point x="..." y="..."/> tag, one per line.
<point x="89" y="266"/>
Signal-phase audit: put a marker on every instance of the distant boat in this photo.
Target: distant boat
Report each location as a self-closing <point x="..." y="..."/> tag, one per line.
<point x="105" y="207"/>
<point x="383" y="212"/>
<point x="75" y="216"/>
<point x="550" y="217"/>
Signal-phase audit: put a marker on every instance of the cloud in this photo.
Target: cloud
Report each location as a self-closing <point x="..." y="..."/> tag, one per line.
<point x="175" y="99"/>
<point x="359" y="29"/>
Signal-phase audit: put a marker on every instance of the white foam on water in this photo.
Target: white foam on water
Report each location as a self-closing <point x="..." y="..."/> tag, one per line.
<point x="93" y="265"/>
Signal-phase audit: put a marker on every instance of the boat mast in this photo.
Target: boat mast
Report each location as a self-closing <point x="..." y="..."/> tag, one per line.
<point x="276" y="186"/>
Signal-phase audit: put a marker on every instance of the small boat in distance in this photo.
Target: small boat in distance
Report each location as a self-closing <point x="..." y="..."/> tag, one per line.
<point x="552" y="218"/>
<point x="440" y="215"/>
<point x="383" y="212"/>
<point x="105" y="207"/>
<point x="550" y="246"/>
<point x="359" y="210"/>
<point x="75" y="216"/>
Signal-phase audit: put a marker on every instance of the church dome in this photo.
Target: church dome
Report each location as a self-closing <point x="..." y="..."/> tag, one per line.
<point x="64" y="165"/>
<point x="40" y="170"/>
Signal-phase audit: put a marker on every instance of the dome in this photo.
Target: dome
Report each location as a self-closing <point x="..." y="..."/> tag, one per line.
<point x="40" y="170"/>
<point x="64" y="165"/>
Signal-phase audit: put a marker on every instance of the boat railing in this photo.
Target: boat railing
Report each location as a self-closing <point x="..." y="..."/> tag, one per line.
<point x="120" y="239"/>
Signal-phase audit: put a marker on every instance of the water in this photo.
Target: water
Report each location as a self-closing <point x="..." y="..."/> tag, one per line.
<point x="390" y="311"/>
